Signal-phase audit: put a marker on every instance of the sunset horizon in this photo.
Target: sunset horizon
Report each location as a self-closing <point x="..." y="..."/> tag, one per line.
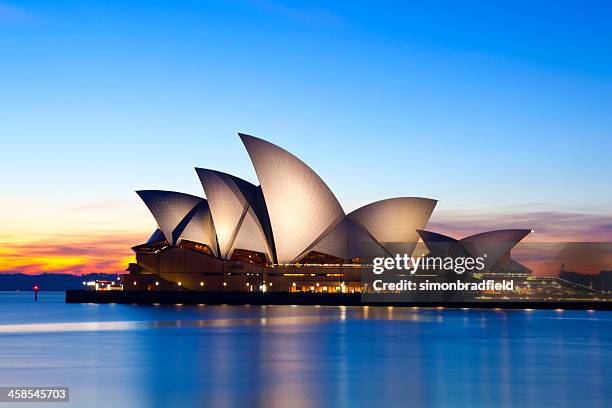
<point x="87" y="237"/>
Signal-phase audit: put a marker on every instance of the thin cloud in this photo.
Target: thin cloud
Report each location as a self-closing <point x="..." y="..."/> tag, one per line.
<point x="549" y="226"/>
<point x="100" y="205"/>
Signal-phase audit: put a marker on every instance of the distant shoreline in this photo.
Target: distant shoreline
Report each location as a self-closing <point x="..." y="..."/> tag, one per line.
<point x="48" y="282"/>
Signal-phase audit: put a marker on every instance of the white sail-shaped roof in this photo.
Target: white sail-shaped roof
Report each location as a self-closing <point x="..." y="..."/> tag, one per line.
<point x="443" y="246"/>
<point x="180" y="215"/>
<point x="493" y="244"/>
<point x="394" y="222"/>
<point x="334" y="243"/>
<point x="250" y="235"/>
<point x="199" y="227"/>
<point x="347" y="241"/>
<point x="300" y="205"/>
<point x="169" y="208"/>
<point x="157" y="236"/>
<point x="233" y="204"/>
<point x="361" y="244"/>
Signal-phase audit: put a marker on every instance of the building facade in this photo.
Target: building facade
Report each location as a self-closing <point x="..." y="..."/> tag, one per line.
<point x="290" y="233"/>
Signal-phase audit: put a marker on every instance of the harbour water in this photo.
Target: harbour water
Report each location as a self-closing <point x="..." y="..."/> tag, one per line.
<point x="304" y="356"/>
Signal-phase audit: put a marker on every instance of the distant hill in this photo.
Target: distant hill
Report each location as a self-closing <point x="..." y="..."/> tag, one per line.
<point x="48" y="281"/>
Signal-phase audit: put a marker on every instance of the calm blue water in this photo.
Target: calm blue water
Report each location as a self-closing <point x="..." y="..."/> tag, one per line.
<point x="283" y="356"/>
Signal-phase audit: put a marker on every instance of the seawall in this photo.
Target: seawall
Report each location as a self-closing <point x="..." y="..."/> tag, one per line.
<point x="285" y="298"/>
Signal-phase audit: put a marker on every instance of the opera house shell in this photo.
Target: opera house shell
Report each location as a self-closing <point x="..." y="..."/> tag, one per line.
<point x="285" y="234"/>
<point x="493" y="246"/>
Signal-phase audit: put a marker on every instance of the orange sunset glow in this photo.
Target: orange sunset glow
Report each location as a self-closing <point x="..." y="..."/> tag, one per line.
<point x="76" y="238"/>
<point x="94" y="255"/>
<point x="107" y="250"/>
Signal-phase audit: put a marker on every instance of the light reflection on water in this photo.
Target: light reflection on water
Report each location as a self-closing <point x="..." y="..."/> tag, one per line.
<point x="279" y="356"/>
<point x="144" y="325"/>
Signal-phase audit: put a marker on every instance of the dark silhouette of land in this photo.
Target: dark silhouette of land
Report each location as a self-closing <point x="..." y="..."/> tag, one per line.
<point x="48" y="281"/>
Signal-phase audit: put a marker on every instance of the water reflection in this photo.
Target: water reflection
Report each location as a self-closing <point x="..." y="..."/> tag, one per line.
<point x="136" y="325"/>
<point x="278" y="356"/>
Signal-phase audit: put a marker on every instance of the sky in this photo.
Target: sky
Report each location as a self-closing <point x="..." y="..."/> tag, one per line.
<point x="502" y="111"/>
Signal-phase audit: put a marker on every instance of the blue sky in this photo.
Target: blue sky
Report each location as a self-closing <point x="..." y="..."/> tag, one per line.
<point x="490" y="107"/>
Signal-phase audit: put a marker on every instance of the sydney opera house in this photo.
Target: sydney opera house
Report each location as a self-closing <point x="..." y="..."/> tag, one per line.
<point x="288" y="234"/>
